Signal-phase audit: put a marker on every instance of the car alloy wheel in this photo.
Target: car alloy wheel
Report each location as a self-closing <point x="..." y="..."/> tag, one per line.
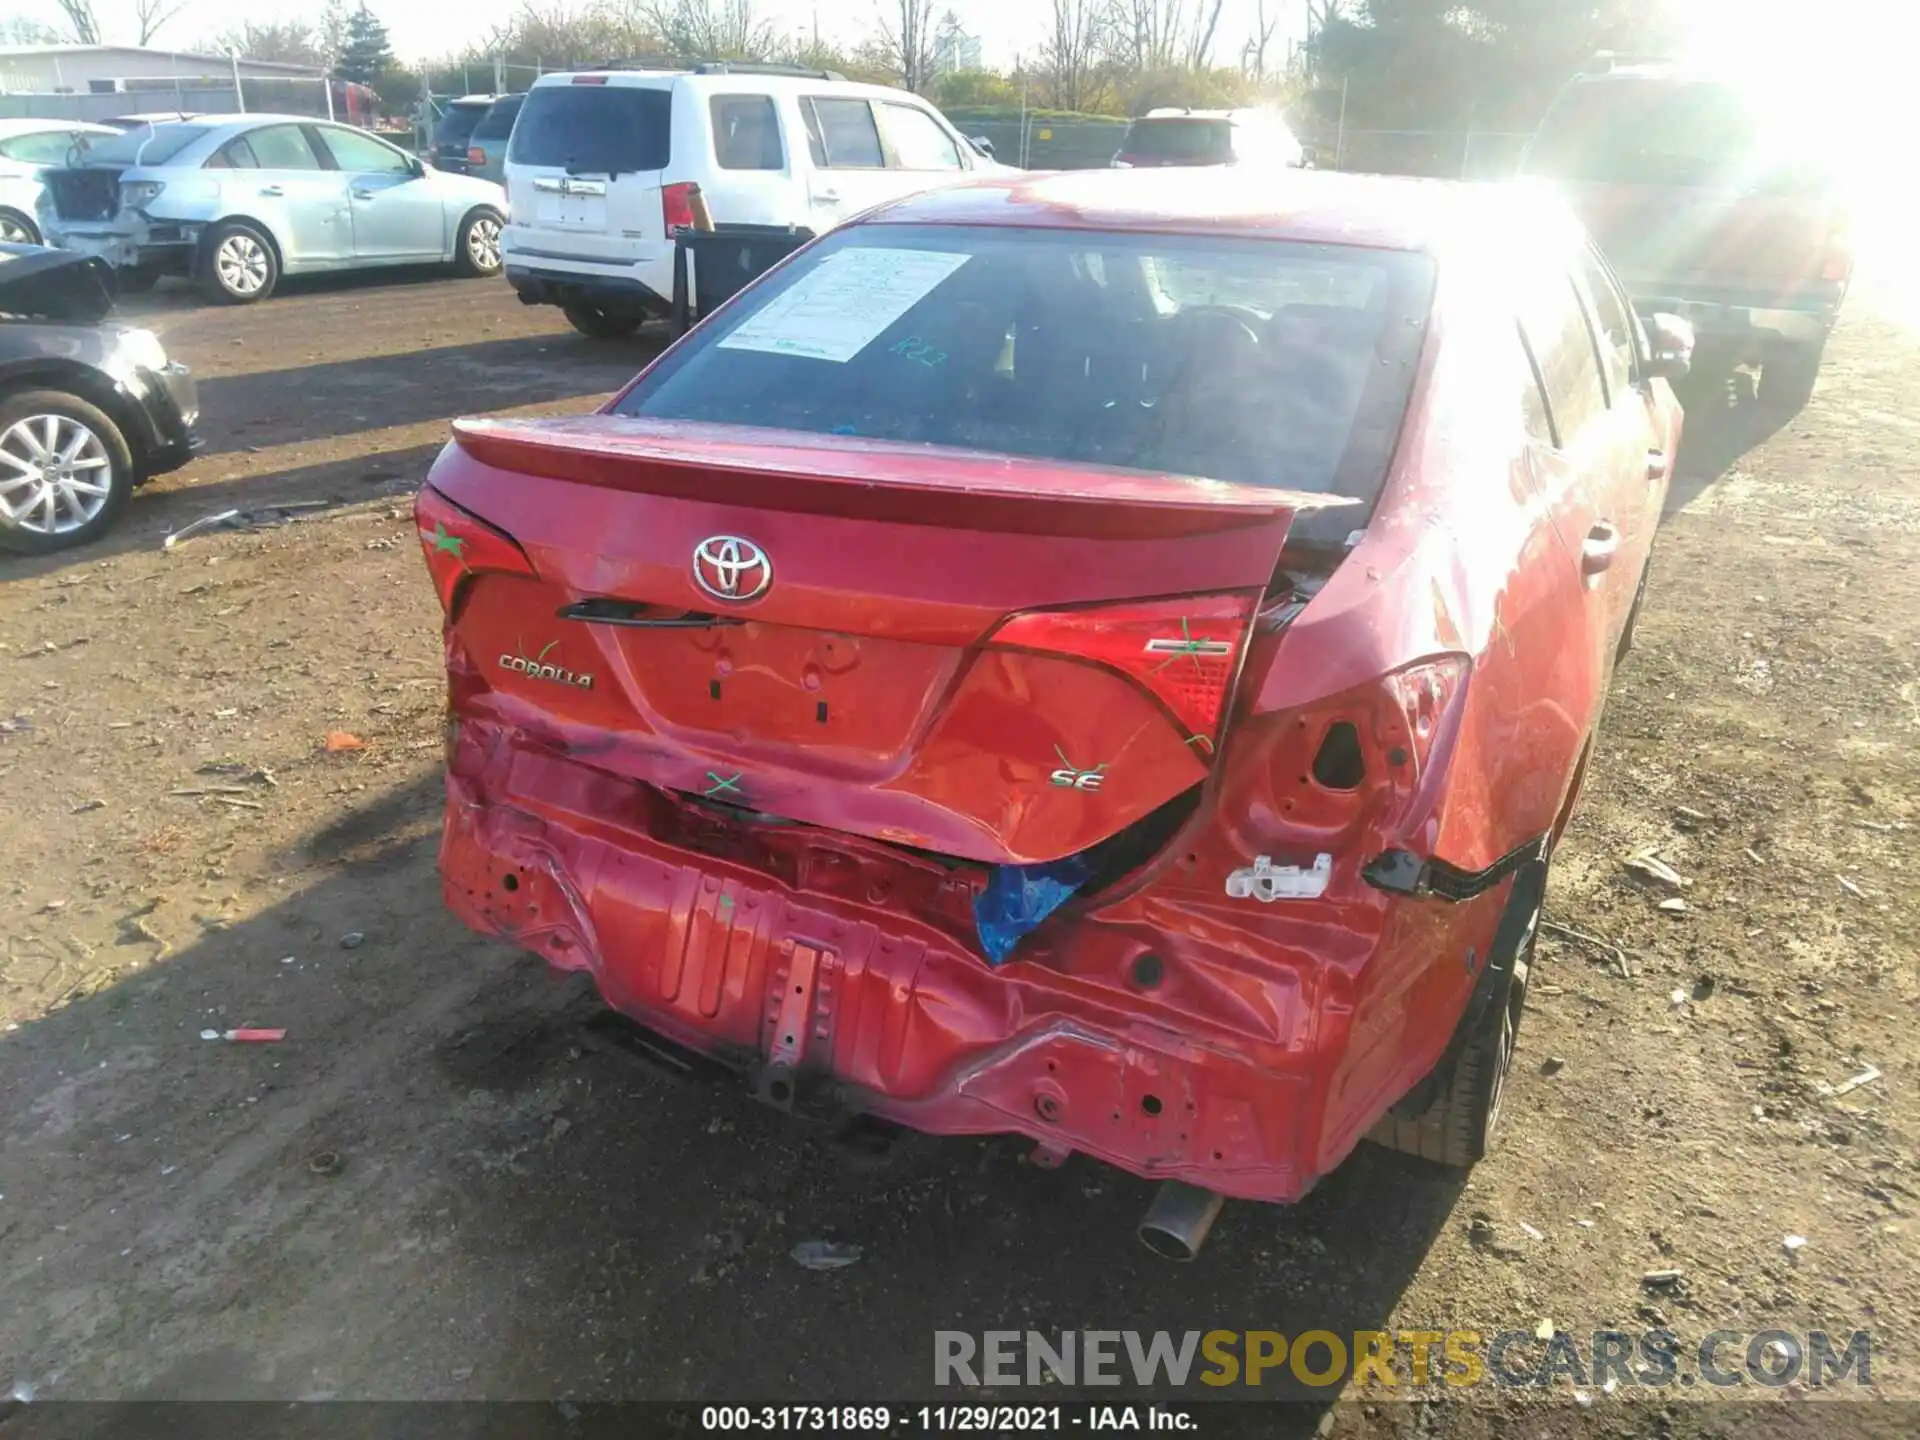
<point x="483" y="244"/>
<point x="242" y="265"/>
<point x="14" y="231"/>
<point x="55" y="475"/>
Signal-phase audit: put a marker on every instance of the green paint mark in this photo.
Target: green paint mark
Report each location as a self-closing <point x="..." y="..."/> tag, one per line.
<point x="1189" y="647"/>
<point x="724" y="784"/>
<point x="544" y="651"/>
<point x="1068" y="764"/>
<point x="726" y="902"/>
<point x="454" y="545"/>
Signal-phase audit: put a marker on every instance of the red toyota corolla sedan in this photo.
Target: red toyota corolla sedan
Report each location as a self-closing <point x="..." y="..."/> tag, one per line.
<point x="1104" y="656"/>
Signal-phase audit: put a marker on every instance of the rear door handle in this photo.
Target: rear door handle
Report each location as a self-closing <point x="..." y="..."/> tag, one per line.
<point x="832" y="196"/>
<point x="271" y="190"/>
<point x="1603" y="543"/>
<point x="363" y="194"/>
<point x="1656" y="465"/>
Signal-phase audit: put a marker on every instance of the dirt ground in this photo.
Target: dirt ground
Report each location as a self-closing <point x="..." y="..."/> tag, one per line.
<point x="438" y="1187"/>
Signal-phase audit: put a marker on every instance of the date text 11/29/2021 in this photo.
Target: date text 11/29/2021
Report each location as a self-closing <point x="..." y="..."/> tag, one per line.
<point x="949" y="1419"/>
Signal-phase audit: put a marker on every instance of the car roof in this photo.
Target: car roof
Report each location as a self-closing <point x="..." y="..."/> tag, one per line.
<point x="734" y="82"/>
<point x="1389" y="212"/>
<point x="12" y="127"/>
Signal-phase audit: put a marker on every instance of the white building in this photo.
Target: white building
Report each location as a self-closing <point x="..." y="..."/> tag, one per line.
<point x="954" y="49"/>
<point x="123" y="69"/>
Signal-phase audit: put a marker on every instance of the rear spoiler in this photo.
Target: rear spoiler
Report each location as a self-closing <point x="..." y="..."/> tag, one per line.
<point x="873" y="480"/>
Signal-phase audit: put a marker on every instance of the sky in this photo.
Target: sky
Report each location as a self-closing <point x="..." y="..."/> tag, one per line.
<point x="429" y="30"/>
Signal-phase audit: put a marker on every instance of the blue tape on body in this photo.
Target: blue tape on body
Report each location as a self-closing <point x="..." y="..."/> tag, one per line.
<point x="1018" y="897"/>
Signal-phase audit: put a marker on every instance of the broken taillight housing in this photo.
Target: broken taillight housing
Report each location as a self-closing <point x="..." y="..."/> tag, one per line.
<point x="459" y="544"/>
<point x="676" y="206"/>
<point x="1184" y="651"/>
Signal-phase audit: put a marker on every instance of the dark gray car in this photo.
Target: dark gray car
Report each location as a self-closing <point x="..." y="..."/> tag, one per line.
<point x="88" y="409"/>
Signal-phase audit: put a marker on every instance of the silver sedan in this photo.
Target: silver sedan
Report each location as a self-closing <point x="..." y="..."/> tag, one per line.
<point x="237" y="201"/>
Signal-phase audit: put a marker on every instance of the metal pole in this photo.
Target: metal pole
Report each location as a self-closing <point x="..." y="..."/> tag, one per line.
<point x="1340" y="142"/>
<point x="327" y="82"/>
<point x="1466" y="155"/>
<point x="239" y="95"/>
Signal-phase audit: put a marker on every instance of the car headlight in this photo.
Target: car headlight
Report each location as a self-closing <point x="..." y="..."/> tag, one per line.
<point x="143" y="348"/>
<point x="138" y="194"/>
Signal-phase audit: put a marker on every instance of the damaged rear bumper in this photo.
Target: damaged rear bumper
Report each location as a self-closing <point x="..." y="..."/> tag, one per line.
<point x="819" y="965"/>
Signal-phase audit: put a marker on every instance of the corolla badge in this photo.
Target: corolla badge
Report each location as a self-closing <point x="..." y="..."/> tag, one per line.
<point x="729" y="568"/>
<point x="537" y="668"/>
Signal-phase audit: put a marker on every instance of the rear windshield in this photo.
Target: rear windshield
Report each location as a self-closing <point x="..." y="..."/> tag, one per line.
<point x="1260" y="362"/>
<point x="497" y="123"/>
<point x="594" y="129"/>
<point x="456" y="126"/>
<point x="1191" y="142"/>
<point x="147" y="145"/>
<point x="1663" y="132"/>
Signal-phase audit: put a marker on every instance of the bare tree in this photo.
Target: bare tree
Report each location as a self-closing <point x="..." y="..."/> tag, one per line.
<point x="81" y="20"/>
<point x="290" y="42"/>
<point x="1206" y="22"/>
<point x="709" y="29"/>
<point x="150" y="15"/>
<point x="907" y="39"/>
<point x="1165" y="34"/>
<point x="1073" y="49"/>
<point x="1262" y="37"/>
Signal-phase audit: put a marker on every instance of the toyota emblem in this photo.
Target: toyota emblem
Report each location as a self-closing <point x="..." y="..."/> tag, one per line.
<point x="729" y="568"/>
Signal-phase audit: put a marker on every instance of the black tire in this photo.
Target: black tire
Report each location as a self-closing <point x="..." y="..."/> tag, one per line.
<point x="252" y="256"/>
<point x="598" y="324"/>
<point x="18" y="229"/>
<point x="18" y="507"/>
<point x="473" y="254"/>
<point x="136" y="280"/>
<point x="1787" y="377"/>
<point x="1459" y="1126"/>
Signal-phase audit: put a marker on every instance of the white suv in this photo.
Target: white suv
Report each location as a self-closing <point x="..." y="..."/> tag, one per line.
<point x="600" y="165"/>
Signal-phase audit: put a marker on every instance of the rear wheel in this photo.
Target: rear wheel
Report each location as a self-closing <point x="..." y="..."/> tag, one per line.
<point x="479" y="251"/>
<point x="1459" y="1126"/>
<point x="17" y="229"/>
<point x="65" y="472"/>
<point x="1787" y="378"/>
<point x="598" y="324"/>
<point x="238" y="265"/>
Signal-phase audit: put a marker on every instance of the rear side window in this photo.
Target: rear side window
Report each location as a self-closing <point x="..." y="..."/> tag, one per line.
<point x="457" y="125"/>
<point x="49" y="148"/>
<point x="497" y="123"/>
<point x="746" y="133"/>
<point x="277" y="147"/>
<point x="842" y="135"/>
<point x="1095" y="348"/>
<point x="594" y="129"/>
<point x="1181" y="142"/>
<point x="918" y="141"/>
<point x="1555" y="328"/>
<point x="1614" y="325"/>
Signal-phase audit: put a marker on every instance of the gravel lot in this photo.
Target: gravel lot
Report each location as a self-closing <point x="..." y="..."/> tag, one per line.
<point x="440" y="1186"/>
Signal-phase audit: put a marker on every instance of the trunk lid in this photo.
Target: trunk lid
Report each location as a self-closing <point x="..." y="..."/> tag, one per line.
<point x="1001" y="660"/>
<point x="584" y="166"/>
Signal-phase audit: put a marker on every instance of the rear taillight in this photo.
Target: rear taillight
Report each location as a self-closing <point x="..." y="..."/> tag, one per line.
<point x="459" y="545"/>
<point x="1362" y="757"/>
<point x="1185" y="652"/>
<point x="676" y="206"/>
<point x="476" y="156"/>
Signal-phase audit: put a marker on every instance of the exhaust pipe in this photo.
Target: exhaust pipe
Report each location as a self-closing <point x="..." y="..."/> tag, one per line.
<point x="1179" y="1220"/>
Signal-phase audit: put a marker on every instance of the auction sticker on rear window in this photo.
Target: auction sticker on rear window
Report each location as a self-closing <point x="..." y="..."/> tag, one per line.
<point x="838" y="308"/>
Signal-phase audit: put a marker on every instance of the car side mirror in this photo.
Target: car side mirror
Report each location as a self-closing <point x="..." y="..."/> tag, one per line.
<point x="982" y="144"/>
<point x="1670" y="339"/>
